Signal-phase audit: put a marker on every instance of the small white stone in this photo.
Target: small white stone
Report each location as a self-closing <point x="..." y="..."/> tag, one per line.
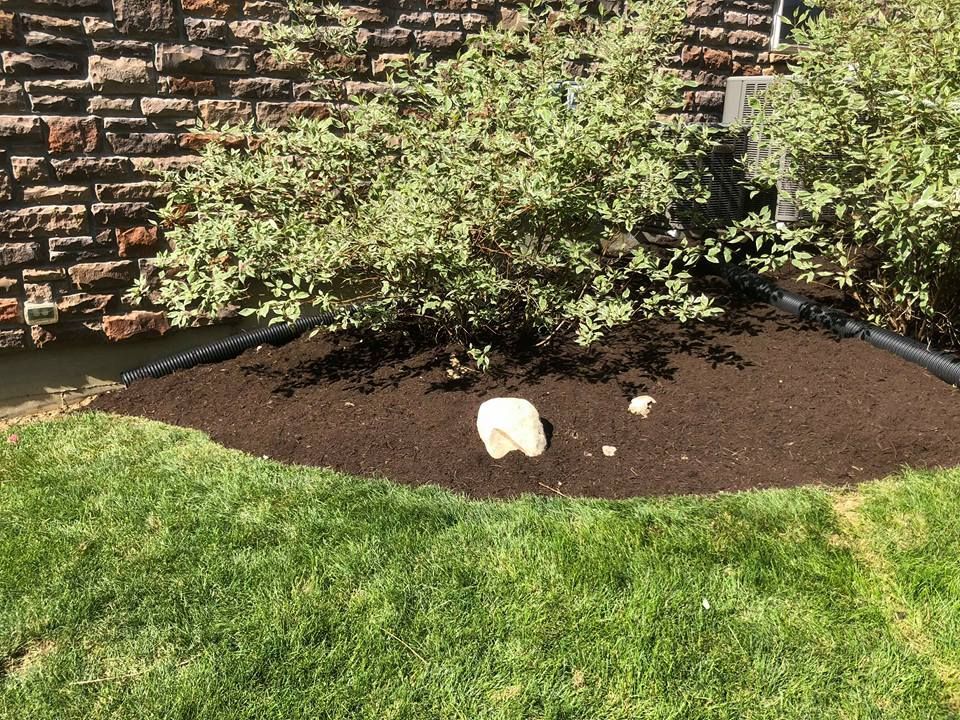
<point x="641" y="405"/>
<point x="609" y="450"/>
<point x="507" y="424"/>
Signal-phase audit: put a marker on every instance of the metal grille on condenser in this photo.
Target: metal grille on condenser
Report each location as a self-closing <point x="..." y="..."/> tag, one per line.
<point x="722" y="172"/>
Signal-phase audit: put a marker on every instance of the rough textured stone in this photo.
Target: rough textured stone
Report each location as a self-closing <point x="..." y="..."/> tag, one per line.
<point x="382" y="62"/>
<point x="159" y="166"/>
<point x="197" y="140"/>
<point x="145" y="17"/>
<point x="44" y="275"/>
<point x="392" y="37"/>
<point x="150" y="276"/>
<point x="416" y="19"/>
<point x="77" y="248"/>
<point x="58" y="87"/>
<point x="56" y="193"/>
<point x="710" y="100"/>
<point x="44" y="220"/>
<point x="103" y="274"/>
<point x="20" y="127"/>
<point x="51" y="24"/>
<point x="36" y="293"/>
<point x="141" y="143"/>
<point x="139" y="322"/>
<point x="72" y="134"/>
<point x="474" y="21"/>
<point x="47" y="43"/>
<point x="122" y="214"/>
<point x="87" y="168"/>
<point x="170" y="85"/>
<point x="193" y="59"/>
<point x="225" y="112"/>
<point x="507" y="424"/>
<point x="248" y="32"/>
<point x="206" y="30"/>
<point x="260" y="88"/>
<point x="266" y="64"/>
<point x="80" y="304"/>
<point x="278" y="114"/>
<point x="68" y="104"/>
<point x="120" y="75"/>
<point x="9" y="311"/>
<point x="740" y="38"/>
<point x="212" y="8"/>
<point x="71" y="5"/>
<point x="123" y="48"/>
<point x="132" y="192"/>
<point x="28" y="63"/>
<point x="30" y="169"/>
<point x="8" y="28"/>
<point x="96" y="27"/>
<point x="12" y="339"/>
<point x="447" y="21"/>
<point x="9" y="285"/>
<point x="717" y="60"/>
<point x="125" y="125"/>
<point x="138" y="241"/>
<point x="100" y="105"/>
<point x="14" y="254"/>
<point x="705" y="10"/>
<point x="12" y="96"/>
<point x="438" y="39"/>
<point x="166" y="107"/>
<point x="368" y="15"/>
<point x="267" y="10"/>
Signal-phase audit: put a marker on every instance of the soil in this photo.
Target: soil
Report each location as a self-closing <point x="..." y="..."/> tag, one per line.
<point x="753" y="399"/>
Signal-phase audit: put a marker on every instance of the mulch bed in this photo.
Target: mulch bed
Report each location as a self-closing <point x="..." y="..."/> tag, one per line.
<point x="754" y="399"/>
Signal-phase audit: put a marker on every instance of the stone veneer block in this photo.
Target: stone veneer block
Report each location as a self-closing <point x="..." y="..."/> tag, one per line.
<point x="120" y="76"/>
<point x="195" y="59"/>
<point x="153" y="18"/>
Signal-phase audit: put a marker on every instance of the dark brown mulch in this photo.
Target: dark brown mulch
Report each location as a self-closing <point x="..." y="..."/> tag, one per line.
<point x="751" y="400"/>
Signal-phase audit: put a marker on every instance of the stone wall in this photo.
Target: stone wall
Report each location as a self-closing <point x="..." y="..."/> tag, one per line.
<point x="96" y="96"/>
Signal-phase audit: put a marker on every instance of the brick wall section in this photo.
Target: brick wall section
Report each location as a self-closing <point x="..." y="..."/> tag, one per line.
<point x="96" y="95"/>
<point x="724" y="38"/>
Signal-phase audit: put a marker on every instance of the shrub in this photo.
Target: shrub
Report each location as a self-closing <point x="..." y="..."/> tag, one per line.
<point x="474" y="198"/>
<point x="871" y="117"/>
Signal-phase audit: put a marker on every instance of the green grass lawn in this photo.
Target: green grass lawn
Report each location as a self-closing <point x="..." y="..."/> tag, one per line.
<point x="146" y="572"/>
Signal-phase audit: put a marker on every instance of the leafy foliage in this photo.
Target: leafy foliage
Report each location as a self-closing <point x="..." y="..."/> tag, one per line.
<point x="870" y="116"/>
<point x="483" y="194"/>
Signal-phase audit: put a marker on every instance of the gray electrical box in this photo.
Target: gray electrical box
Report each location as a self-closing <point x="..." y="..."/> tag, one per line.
<point x="44" y="313"/>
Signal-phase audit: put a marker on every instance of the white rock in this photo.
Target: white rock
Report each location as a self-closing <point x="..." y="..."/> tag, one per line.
<point x="641" y="405"/>
<point x="609" y="450"/>
<point x="507" y="424"/>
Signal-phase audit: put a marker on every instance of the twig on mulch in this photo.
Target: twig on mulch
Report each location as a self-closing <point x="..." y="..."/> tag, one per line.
<point x="407" y="646"/>
<point x="554" y="490"/>
<point x="125" y="676"/>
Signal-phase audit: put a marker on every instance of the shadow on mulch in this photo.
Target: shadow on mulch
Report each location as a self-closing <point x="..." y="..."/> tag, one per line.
<point x="751" y="399"/>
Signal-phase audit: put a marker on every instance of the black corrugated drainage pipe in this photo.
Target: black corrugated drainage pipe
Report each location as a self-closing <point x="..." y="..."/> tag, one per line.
<point x="227" y="348"/>
<point x="944" y="365"/>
